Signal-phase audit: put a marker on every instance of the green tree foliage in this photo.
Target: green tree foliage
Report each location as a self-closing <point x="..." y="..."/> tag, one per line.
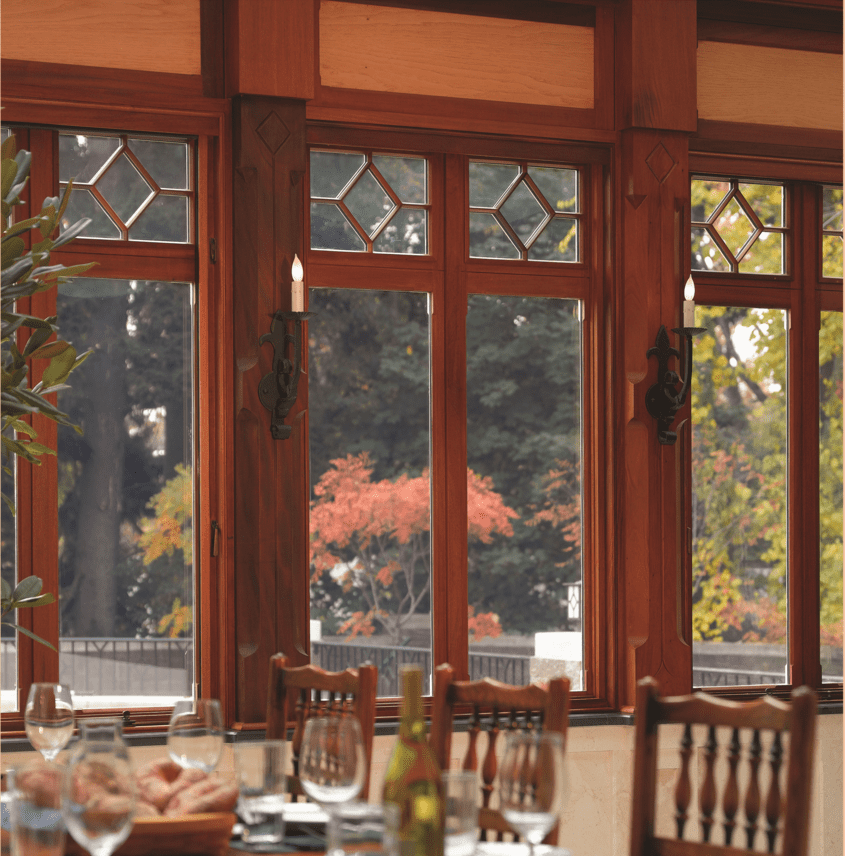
<point x="369" y="392"/>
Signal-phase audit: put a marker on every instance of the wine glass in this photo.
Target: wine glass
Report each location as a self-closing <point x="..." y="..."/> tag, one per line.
<point x="48" y="718"/>
<point x="531" y="783"/>
<point x="98" y="790"/>
<point x="195" y="734"/>
<point x="332" y="765"/>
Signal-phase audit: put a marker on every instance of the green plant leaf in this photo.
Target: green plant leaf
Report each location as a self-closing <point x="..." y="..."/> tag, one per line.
<point x="12" y="249"/>
<point x="29" y="633"/>
<point x="28" y="587"/>
<point x="60" y="367"/>
<point x="5" y="589"/>
<point x="48" y="351"/>
<point x="30" y="602"/>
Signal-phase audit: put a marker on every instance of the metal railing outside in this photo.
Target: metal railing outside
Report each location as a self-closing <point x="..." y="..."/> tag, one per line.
<point x="335" y="656"/>
<point x="116" y="666"/>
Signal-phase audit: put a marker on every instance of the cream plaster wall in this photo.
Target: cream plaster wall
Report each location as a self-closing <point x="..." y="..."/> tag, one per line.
<point x="595" y="819"/>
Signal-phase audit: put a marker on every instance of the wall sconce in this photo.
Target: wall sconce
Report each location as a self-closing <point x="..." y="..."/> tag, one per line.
<point x="277" y="390"/>
<point x="663" y="400"/>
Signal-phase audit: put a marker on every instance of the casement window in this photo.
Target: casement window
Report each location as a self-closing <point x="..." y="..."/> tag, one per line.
<point x="453" y="500"/>
<point x="766" y="498"/>
<point x="109" y="522"/>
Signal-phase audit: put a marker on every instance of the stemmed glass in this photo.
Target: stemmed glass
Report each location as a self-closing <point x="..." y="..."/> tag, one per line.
<point x="48" y="718"/>
<point x="195" y="734"/>
<point x="332" y="765"/>
<point x="98" y="790"/>
<point x="531" y="783"/>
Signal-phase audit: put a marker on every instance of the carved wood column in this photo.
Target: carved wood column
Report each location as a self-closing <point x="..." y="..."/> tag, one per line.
<point x="270" y="553"/>
<point x="656" y="98"/>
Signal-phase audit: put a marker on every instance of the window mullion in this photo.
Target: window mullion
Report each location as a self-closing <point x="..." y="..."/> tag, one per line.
<point x="804" y="447"/>
<point x="450" y="459"/>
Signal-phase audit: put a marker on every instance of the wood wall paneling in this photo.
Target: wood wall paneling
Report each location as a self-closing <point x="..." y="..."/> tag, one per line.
<point x="369" y="47"/>
<point x="655" y="178"/>
<point x="146" y="35"/>
<point x="270" y="47"/>
<point x="269" y="165"/>
<point x="769" y="86"/>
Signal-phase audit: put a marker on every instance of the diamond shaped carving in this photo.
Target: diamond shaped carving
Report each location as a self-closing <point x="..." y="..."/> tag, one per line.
<point x="273" y="132"/>
<point x="660" y="162"/>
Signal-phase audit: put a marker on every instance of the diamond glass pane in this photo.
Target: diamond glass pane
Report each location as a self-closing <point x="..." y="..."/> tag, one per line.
<point x="706" y="195"/>
<point x="330" y="230"/>
<point x="83" y="204"/>
<point x="558" y="242"/>
<point x="831" y="255"/>
<point x="405" y="233"/>
<point x="166" y="162"/>
<point x="830" y="495"/>
<point x="734" y="226"/>
<point x="406" y="176"/>
<point x="331" y="172"/>
<point x="81" y="156"/>
<point x="523" y="212"/>
<point x="706" y="254"/>
<point x="832" y="209"/>
<point x="765" y="255"/>
<point x="124" y="188"/>
<point x="558" y="186"/>
<point x="488" y="182"/>
<point x="488" y="240"/>
<point x="164" y="219"/>
<point x="766" y="200"/>
<point x="368" y="203"/>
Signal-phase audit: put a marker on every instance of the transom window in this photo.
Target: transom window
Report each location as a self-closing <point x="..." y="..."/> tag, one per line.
<point x="132" y="188"/>
<point x="365" y="202"/>
<point x="523" y="211"/>
<point x="738" y="226"/>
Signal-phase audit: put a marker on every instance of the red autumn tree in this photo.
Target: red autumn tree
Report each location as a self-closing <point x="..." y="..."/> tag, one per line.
<point x="373" y="539"/>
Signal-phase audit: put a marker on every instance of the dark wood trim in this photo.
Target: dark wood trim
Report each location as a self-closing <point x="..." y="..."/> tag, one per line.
<point x="475" y="145"/>
<point x="392" y="109"/>
<point x="741" y="33"/>
<point x="543" y="11"/>
<point x="212" y="49"/>
<point x="742" y="166"/>
<point x="767" y="141"/>
<point x="820" y="15"/>
<point x="56" y="82"/>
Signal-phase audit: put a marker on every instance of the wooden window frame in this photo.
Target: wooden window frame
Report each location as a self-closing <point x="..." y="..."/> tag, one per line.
<point x="206" y="263"/>
<point x="448" y="274"/>
<point x="804" y="293"/>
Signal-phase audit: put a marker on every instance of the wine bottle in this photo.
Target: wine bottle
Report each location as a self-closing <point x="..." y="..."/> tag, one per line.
<point x="412" y="781"/>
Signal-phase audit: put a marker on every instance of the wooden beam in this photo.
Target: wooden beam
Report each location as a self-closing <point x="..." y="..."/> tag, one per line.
<point x="271" y="572"/>
<point x="270" y="48"/>
<point x="656" y="64"/>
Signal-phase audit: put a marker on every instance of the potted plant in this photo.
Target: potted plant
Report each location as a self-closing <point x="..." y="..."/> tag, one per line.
<point x="27" y="271"/>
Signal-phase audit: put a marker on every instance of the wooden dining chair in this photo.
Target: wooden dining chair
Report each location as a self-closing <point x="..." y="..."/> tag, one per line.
<point x="775" y="808"/>
<point x="298" y="693"/>
<point x="493" y="707"/>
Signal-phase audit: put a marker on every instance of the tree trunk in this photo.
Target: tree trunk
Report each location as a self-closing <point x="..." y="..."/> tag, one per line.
<point x="101" y="480"/>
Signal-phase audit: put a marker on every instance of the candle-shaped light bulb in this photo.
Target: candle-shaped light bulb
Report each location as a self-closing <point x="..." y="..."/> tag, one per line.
<point x="689" y="303"/>
<point x="297" y="288"/>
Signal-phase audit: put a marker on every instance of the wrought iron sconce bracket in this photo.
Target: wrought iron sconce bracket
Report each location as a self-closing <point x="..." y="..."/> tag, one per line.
<point x="277" y="390"/>
<point x="663" y="399"/>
